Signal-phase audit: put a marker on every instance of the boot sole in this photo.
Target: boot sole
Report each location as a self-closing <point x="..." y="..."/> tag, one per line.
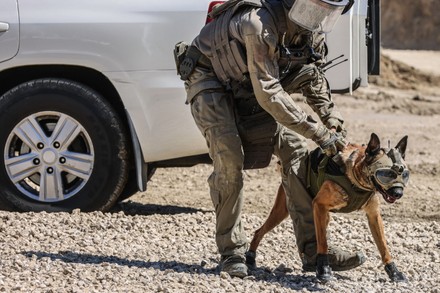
<point x="361" y="260"/>
<point x="238" y="274"/>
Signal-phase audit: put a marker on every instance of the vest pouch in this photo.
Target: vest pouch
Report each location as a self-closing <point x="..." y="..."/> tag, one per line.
<point x="238" y="55"/>
<point x="257" y="156"/>
<point x="259" y="128"/>
<point x="257" y="133"/>
<point x="244" y="96"/>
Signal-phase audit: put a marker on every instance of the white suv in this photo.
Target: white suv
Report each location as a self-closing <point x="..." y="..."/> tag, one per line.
<point x="90" y="103"/>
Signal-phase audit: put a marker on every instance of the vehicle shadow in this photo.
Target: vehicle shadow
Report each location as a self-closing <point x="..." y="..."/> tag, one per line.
<point x="284" y="278"/>
<point x="134" y="208"/>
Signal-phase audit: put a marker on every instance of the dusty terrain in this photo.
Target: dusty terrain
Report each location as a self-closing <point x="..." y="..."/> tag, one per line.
<point x="162" y="240"/>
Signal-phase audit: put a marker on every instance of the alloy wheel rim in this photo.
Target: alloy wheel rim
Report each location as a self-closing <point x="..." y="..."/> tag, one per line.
<point x="49" y="156"/>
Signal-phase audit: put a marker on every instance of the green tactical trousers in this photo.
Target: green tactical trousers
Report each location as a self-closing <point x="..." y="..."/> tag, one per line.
<point x="213" y="113"/>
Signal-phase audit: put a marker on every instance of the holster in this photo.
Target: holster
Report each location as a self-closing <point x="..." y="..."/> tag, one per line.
<point x="179" y="55"/>
<point x="187" y="58"/>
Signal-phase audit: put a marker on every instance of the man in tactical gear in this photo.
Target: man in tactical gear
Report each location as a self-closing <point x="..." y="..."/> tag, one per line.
<point x="238" y="73"/>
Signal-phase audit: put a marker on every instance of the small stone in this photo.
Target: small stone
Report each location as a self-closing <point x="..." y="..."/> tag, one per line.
<point x="224" y="275"/>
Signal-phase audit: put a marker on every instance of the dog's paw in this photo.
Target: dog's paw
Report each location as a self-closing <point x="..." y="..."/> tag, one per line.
<point x="250" y="259"/>
<point x="394" y="274"/>
<point x="324" y="273"/>
<point x="323" y="269"/>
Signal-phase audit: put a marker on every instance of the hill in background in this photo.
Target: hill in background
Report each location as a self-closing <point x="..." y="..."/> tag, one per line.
<point x="410" y="24"/>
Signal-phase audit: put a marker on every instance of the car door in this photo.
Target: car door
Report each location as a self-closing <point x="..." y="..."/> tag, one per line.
<point x="356" y="39"/>
<point x="9" y="29"/>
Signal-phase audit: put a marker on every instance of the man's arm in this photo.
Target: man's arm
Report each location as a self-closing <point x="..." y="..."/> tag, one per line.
<point x="261" y="39"/>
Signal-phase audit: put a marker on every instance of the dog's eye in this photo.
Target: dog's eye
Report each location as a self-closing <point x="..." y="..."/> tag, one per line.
<point x="386" y="176"/>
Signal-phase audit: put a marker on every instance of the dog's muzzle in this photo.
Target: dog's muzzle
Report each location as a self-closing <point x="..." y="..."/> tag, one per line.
<point x="396" y="192"/>
<point x="390" y="195"/>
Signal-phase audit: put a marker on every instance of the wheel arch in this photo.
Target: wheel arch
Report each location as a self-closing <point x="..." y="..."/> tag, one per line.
<point x="87" y="76"/>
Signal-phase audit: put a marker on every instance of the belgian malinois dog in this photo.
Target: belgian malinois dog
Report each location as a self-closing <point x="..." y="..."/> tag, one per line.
<point x="368" y="171"/>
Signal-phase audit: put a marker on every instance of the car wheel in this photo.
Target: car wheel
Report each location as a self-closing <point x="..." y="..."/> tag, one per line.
<point x="63" y="148"/>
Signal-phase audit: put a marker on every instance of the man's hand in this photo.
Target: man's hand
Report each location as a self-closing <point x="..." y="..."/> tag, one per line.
<point x="336" y="142"/>
<point x="335" y="125"/>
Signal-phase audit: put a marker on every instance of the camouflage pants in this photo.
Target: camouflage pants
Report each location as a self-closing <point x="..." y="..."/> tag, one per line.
<point x="213" y="112"/>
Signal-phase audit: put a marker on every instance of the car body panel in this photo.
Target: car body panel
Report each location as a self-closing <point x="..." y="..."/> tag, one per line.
<point x="9" y="29"/>
<point x="163" y="122"/>
<point x="131" y="41"/>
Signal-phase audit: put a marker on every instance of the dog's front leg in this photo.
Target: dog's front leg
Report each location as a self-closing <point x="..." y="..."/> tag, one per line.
<point x="376" y="227"/>
<point x="330" y="197"/>
<point x="321" y="216"/>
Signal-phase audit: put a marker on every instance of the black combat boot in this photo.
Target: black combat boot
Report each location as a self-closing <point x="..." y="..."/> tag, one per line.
<point x="234" y="265"/>
<point x="339" y="259"/>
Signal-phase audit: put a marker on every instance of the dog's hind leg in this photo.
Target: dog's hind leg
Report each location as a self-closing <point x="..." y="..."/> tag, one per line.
<point x="278" y="213"/>
<point x="376" y="227"/>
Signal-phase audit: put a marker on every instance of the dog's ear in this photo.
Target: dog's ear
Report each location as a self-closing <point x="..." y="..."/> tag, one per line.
<point x="401" y="146"/>
<point x="373" y="147"/>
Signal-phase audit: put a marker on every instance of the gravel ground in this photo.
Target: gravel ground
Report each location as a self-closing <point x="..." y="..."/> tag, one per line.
<point x="163" y="240"/>
<point x="173" y="251"/>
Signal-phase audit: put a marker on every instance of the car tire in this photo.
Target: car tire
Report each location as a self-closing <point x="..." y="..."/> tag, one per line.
<point x="64" y="148"/>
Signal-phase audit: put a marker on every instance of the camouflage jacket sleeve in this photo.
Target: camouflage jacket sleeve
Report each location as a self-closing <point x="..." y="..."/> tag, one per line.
<point x="260" y="37"/>
<point x="317" y="92"/>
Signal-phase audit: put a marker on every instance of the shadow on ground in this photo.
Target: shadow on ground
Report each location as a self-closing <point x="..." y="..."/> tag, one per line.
<point x="133" y="208"/>
<point x="295" y="282"/>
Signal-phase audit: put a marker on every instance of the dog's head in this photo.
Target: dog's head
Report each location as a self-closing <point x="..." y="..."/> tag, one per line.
<point x="386" y="168"/>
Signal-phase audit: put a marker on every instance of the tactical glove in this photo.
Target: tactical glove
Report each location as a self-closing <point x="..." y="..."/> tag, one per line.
<point x="336" y="142"/>
<point x="337" y="125"/>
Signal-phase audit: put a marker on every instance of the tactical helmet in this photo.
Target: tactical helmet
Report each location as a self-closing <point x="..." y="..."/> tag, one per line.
<point x="315" y="15"/>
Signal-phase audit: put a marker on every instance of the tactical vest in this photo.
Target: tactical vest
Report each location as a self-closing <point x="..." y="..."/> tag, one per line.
<point x="257" y="128"/>
<point x="227" y="55"/>
<point x="322" y="168"/>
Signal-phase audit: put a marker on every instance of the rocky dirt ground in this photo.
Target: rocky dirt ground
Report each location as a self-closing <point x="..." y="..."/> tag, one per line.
<point x="163" y="240"/>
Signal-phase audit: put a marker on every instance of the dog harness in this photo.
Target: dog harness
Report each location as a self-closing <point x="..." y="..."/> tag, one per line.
<point x="322" y="168"/>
